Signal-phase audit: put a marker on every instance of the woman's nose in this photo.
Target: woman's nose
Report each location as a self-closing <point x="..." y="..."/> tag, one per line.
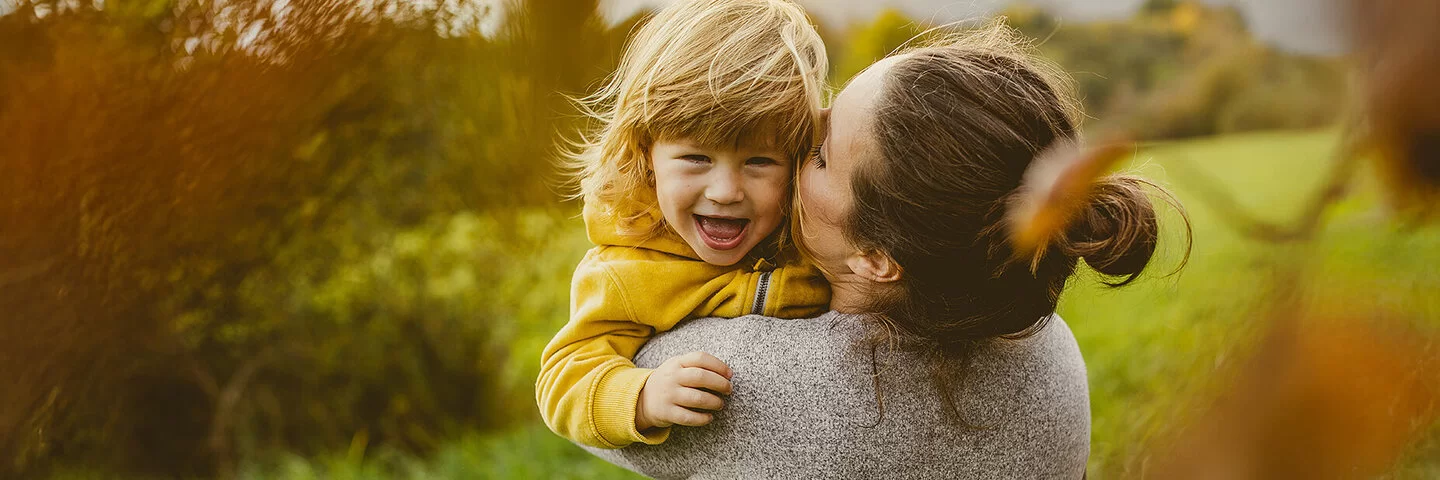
<point x="724" y="188"/>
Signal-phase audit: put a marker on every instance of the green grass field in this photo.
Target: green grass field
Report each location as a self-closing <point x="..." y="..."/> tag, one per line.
<point x="1151" y="348"/>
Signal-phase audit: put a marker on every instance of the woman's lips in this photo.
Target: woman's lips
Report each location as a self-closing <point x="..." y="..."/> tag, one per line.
<point x="721" y="233"/>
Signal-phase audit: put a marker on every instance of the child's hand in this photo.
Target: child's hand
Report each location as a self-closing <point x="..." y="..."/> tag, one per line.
<point x="680" y="384"/>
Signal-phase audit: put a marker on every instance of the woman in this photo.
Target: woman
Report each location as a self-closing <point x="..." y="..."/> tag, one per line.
<point x="943" y="357"/>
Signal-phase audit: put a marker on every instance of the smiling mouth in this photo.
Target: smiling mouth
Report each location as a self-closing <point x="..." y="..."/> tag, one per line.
<point x="720" y="233"/>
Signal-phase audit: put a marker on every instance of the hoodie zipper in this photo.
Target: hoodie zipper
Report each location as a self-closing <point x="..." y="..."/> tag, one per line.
<point x="762" y="291"/>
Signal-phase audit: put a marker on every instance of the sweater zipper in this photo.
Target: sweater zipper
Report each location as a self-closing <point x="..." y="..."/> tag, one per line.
<point x="762" y="290"/>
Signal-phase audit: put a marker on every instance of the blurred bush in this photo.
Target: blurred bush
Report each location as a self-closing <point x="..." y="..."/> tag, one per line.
<point x="236" y="226"/>
<point x="863" y="44"/>
<point x="1175" y="69"/>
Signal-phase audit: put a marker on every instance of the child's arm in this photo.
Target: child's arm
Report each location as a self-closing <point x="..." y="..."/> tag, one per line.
<point x="588" y="389"/>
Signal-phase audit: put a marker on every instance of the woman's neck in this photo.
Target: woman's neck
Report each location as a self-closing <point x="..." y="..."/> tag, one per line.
<point x="849" y="293"/>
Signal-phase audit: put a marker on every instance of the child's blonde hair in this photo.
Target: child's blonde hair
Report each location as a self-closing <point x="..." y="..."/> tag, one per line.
<point x="712" y="71"/>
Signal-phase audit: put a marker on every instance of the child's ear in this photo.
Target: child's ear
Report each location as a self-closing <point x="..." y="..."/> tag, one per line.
<point x="875" y="266"/>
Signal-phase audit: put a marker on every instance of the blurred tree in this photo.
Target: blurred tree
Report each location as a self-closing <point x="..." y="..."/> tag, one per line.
<point x="867" y="43"/>
<point x="1182" y="69"/>
<point x="257" y="224"/>
<point x="1175" y="69"/>
<point x="1159" y="6"/>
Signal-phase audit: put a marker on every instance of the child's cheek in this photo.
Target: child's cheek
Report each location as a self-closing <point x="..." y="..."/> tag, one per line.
<point x="665" y="194"/>
<point x="778" y="195"/>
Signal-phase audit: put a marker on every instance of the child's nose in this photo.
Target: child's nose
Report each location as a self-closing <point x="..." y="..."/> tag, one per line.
<point x="724" y="188"/>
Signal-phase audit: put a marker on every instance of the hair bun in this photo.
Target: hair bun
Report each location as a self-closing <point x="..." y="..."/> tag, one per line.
<point x="1116" y="233"/>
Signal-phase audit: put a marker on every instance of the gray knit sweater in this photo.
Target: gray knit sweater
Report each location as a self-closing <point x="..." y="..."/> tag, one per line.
<point x="804" y="406"/>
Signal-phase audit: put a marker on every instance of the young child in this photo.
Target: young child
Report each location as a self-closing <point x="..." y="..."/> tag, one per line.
<point x="686" y="184"/>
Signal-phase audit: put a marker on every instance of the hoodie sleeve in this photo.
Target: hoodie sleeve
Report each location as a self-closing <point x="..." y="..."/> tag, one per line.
<point x="588" y="387"/>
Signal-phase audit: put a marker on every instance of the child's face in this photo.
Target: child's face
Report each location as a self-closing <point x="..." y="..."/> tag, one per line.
<point x="723" y="200"/>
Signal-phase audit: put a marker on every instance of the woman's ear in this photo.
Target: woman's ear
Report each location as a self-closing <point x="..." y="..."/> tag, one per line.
<point x="875" y="266"/>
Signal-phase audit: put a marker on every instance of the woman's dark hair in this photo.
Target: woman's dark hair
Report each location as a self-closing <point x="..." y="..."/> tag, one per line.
<point x="957" y="126"/>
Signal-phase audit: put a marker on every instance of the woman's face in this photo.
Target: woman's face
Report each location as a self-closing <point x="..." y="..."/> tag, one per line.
<point x="823" y="189"/>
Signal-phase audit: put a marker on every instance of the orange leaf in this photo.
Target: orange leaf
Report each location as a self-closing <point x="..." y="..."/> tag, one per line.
<point x="1055" y="187"/>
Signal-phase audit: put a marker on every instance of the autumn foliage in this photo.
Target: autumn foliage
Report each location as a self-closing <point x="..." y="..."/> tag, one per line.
<point x="184" y="178"/>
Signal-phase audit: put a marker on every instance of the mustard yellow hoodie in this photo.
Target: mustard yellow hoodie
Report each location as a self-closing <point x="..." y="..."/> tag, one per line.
<point x="626" y="290"/>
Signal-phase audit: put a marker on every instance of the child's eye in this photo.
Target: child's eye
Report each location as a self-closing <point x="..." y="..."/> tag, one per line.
<point x="696" y="158"/>
<point x="761" y="161"/>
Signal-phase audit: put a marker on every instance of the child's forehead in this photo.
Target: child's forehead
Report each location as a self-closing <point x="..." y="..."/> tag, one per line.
<point x="759" y="136"/>
<point x="757" y="141"/>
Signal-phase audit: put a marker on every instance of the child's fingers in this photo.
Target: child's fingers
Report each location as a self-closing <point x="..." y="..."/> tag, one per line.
<point x="687" y="417"/>
<point x="705" y="361"/>
<point x="701" y="378"/>
<point x="692" y="398"/>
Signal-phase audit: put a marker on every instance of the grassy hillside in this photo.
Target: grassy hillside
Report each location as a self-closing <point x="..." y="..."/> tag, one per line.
<point x="1152" y="348"/>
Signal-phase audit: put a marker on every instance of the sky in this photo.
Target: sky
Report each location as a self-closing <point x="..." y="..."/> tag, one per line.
<point x="1304" y="26"/>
